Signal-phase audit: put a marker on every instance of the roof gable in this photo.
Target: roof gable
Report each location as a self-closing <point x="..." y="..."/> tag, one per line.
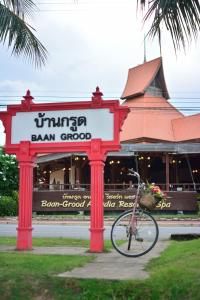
<point x="146" y="78"/>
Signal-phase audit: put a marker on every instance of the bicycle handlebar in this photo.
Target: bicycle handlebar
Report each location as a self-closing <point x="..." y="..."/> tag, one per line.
<point x="134" y="173"/>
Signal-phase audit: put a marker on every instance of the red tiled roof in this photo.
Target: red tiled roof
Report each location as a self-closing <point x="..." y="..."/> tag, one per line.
<point x="187" y="128"/>
<point x="153" y="118"/>
<point x="150" y="118"/>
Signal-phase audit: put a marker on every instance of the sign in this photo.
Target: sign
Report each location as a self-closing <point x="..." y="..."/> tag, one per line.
<point x="113" y="200"/>
<point x="62" y="126"/>
<point x="79" y="200"/>
<point x="91" y="126"/>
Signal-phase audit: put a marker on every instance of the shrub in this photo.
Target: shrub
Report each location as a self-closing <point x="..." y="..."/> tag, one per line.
<point x="9" y="204"/>
<point x="8" y="173"/>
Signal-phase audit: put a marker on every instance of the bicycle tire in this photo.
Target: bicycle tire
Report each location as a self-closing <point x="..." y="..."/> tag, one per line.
<point x="139" y="243"/>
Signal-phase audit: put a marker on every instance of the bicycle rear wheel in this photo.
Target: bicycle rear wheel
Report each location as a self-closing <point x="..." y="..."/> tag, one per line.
<point x="137" y="241"/>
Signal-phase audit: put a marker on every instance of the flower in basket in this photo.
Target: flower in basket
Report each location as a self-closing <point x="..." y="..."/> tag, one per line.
<point x="150" y="197"/>
<point x="156" y="192"/>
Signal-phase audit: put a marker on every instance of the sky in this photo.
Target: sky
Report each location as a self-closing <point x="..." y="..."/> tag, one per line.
<point x="94" y="43"/>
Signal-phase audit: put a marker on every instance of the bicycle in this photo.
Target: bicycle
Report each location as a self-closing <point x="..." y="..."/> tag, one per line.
<point x="135" y="232"/>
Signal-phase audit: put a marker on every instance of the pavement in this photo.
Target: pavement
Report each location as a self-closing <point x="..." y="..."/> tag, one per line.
<point x="114" y="266"/>
<point x="111" y="265"/>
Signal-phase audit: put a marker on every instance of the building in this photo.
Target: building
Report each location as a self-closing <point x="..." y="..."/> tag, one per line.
<point x="157" y="140"/>
<point x="165" y="141"/>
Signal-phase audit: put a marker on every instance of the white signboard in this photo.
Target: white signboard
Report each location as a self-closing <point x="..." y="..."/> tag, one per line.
<point x="62" y="126"/>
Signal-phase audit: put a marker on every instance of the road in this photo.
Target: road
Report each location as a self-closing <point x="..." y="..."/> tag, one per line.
<point x="82" y="231"/>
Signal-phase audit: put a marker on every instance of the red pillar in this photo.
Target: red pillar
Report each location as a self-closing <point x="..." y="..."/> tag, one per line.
<point x="97" y="158"/>
<point x="26" y="164"/>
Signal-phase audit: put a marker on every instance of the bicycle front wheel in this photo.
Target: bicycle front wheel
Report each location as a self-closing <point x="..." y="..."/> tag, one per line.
<point x="135" y="239"/>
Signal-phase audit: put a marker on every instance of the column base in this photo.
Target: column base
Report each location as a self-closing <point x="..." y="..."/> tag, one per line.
<point x="96" y="240"/>
<point x="24" y="238"/>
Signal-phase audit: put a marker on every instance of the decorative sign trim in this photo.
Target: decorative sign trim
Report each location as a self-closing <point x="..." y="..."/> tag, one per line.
<point x="108" y="117"/>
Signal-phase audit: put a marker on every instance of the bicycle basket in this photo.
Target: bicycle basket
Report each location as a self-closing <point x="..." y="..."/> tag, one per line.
<point x="148" y="201"/>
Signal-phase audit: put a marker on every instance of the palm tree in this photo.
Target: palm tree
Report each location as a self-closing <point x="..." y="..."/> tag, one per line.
<point x="17" y="33"/>
<point x="180" y="17"/>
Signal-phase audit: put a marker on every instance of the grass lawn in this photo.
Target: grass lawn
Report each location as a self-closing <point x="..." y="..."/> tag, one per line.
<point x="27" y="276"/>
<point x="175" y="275"/>
<point x="176" y="216"/>
<point x="50" y="242"/>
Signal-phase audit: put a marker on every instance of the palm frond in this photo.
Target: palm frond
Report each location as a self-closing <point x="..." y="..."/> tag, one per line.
<point x="20" y="7"/>
<point x="180" y="17"/>
<point x="19" y="36"/>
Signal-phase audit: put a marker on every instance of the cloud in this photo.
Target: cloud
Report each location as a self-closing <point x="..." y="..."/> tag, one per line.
<point x="94" y="43"/>
<point x="11" y="86"/>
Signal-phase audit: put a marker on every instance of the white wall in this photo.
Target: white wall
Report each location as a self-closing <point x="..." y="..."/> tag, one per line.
<point x="56" y="177"/>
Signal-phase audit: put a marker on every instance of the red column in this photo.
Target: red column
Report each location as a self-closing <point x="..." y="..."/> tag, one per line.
<point x="26" y="164"/>
<point x="96" y="158"/>
<point x="97" y="200"/>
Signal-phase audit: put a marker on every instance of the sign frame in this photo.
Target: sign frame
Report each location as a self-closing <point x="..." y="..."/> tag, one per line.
<point x="27" y="105"/>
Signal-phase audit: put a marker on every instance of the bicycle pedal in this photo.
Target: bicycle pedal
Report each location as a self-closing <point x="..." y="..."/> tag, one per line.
<point x="139" y="239"/>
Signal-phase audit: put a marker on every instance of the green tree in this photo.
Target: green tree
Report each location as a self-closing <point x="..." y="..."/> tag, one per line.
<point x="17" y="33"/>
<point x="8" y="173"/>
<point x="180" y="17"/>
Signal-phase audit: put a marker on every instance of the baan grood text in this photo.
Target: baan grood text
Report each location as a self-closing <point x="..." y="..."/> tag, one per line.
<point x="63" y="137"/>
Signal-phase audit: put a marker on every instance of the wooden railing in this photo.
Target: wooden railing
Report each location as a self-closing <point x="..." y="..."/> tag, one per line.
<point x="116" y="186"/>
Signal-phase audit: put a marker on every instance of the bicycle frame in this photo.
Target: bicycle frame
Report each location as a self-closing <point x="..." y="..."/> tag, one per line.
<point x="133" y="219"/>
